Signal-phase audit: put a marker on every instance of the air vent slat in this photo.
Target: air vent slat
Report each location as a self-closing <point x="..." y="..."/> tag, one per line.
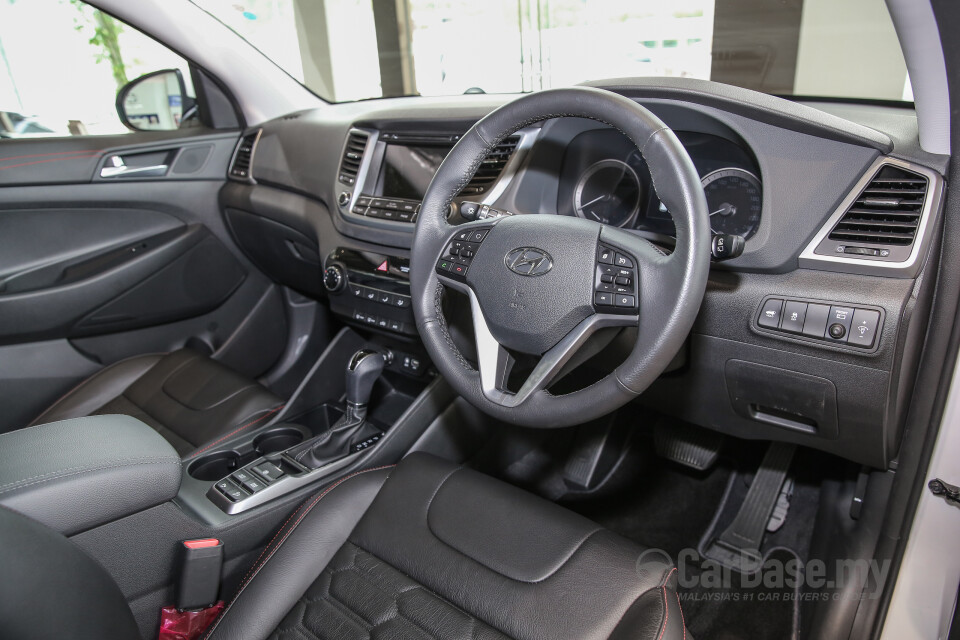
<point x="886" y="212"/>
<point x="492" y="166"/>
<point x="243" y="157"/>
<point x="352" y="157"/>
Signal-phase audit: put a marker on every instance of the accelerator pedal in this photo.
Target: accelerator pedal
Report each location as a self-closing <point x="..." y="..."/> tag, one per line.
<point x="738" y="547"/>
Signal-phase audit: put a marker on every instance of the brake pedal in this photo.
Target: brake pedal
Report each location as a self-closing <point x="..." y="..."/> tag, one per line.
<point x="687" y="445"/>
<point x="738" y="547"/>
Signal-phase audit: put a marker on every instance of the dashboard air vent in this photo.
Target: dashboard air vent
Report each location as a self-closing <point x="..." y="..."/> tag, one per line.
<point x="887" y="211"/>
<point x="352" y="156"/>
<point x="492" y="166"/>
<point x="243" y="156"/>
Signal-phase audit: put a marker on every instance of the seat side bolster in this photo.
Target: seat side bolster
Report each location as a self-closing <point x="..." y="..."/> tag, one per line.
<point x="296" y="555"/>
<point x="655" y="615"/>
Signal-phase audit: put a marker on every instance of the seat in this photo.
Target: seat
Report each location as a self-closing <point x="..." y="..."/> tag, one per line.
<point x="191" y="400"/>
<point x="425" y="549"/>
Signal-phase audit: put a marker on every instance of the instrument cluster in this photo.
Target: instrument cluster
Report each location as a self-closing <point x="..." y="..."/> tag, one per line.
<point x="605" y="179"/>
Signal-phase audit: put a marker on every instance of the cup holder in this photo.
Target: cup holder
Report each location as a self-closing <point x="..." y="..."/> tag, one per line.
<point x="277" y="440"/>
<point x="220" y="464"/>
<point x="216" y="466"/>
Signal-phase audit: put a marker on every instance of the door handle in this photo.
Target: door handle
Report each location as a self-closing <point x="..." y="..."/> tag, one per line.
<point x="117" y="168"/>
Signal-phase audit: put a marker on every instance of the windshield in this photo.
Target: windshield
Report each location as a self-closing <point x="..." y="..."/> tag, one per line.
<point x="346" y="50"/>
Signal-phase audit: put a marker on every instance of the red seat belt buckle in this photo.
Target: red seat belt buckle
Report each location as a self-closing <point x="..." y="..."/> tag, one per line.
<point x="198" y="587"/>
<point x="187" y="625"/>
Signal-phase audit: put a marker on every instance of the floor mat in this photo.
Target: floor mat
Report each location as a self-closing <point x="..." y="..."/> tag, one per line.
<point x="665" y="506"/>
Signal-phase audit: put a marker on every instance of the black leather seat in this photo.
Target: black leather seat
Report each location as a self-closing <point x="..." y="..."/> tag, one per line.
<point x="421" y="550"/>
<point x="191" y="400"/>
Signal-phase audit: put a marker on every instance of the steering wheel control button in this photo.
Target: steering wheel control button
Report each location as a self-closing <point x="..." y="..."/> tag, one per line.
<point x="459" y="269"/>
<point x="863" y="329"/>
<point x="840" y="319"/>
<point x="794" y="313"/>
<point x="477" y="235"/>
<point x="603" y="299"/>
<point x="615" y="275"/>
<point x="815" y="323"/>
<point x="770" y="313"/>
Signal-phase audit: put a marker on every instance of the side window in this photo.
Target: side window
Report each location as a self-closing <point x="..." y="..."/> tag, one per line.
<point x="63" y="63"/>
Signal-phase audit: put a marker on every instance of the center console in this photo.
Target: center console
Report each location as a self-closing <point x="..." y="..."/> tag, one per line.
<point x="280" y="472"/>
<point x="371" y="289"/>
<point x="358" y="403"/>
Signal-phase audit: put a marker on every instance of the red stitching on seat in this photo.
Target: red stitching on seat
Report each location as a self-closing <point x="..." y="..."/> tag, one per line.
<point x="305" y="509"/>
<point x="236" y="431"/>
<point x="682" y="620"/>
<point x="666" y="605"/>
<point x="666" y="613"/>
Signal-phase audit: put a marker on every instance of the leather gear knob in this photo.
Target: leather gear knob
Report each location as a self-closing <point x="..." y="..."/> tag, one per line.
<point x="363" y="370"/>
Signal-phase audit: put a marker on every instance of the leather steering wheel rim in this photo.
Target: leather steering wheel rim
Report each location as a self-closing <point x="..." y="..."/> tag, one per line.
<point x="669" y="288"/>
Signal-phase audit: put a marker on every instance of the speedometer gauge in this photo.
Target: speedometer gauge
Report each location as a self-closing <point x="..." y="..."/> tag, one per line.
<point x="734" y="200"/>
<point x="609" y="193"/>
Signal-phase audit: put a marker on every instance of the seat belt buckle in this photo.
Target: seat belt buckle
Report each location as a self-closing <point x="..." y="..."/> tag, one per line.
<point x="198" y="586"/>
<point x="200" y="565"/>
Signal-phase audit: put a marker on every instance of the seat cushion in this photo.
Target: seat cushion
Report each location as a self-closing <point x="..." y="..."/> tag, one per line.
<point x="432" y="550"/>
<point x="191" y="400"/>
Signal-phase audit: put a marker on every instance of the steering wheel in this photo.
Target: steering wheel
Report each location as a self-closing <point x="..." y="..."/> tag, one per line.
<point x="543" y="284"/>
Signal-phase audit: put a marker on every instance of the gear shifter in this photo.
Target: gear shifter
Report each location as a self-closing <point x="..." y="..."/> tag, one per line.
<point x="363" y="371"/>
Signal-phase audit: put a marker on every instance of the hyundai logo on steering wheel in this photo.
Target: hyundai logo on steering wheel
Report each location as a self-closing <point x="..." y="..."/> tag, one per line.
<point x="528" y="261"/>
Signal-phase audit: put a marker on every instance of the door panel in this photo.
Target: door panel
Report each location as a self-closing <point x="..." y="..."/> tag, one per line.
<point x="78" y="159"/>
<point x="98" y="265"/>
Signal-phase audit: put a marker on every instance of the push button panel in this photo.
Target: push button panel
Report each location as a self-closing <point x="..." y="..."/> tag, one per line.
<point x="615" y="281"/>
<point x="460" y="251"/>
<point x="828" y="322"/>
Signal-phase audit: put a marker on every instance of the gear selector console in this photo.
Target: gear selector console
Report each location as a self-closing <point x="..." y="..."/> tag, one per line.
<point x="277" y="474"/>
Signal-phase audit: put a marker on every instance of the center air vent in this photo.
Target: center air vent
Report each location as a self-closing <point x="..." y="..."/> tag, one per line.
<point x="492" y="166"/>
<point x="887" y="212"/>
<point x="352" y="156"/>
<point x="243" y="157"/>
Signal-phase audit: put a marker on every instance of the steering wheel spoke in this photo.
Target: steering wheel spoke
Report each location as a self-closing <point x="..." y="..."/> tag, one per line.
<point x="495" y="362"/>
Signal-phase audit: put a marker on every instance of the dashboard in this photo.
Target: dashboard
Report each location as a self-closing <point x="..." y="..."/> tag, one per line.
<point x="809" y="336"/>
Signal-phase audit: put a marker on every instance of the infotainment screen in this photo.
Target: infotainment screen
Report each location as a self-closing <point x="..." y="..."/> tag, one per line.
<point x="407" y="170"/>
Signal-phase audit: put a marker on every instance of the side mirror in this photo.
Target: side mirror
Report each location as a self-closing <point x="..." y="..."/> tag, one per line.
<point x="157" y="101"/>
